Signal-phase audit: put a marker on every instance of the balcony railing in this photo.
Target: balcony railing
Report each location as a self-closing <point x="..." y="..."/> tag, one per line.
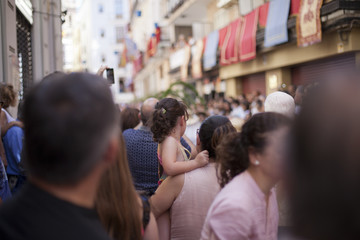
<point x="338" y="15"/>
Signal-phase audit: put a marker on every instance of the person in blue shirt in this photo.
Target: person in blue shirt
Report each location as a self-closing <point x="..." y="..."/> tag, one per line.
<point x="5" y="192"/>
<point x="13" y="144"/>
<point x="142" y="151"/>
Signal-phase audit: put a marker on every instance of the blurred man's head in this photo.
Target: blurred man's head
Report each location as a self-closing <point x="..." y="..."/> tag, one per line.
<point x="147" y="109"/>
<point x="324" y="173"/>
<point x="280" y="102"/>
<point x="70" y="122"/>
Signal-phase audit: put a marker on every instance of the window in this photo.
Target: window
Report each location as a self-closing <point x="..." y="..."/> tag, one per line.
<point x="101" y="8"/>
<point x="120" y="34"/>
<point x="119" y="8"/>
<point x="102" y="33"/>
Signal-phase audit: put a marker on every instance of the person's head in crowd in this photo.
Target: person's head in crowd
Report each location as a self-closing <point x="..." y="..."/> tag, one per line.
<point x="129" y="118"/>
<point x="211" y="132"/>
<point x="260" y="106"/>
<point x="8" y="96"/>
<point x="299" y="94"/>
<point x="257" y="148"/>
<point x="292" y="90"/>
<point x="202" y="116"/>
<point x="146" y="111"/>
<point x="245" y="105"/>
<point x="170" y="114"/>
<point x="258" y="93"/>
<point x="324" y="176"/>
<point x="117" y="201"/>
<point x="226" y="107"/>
<point x="280" y="102"/>
<point x="66" y="141"/>
<point x="235" y="103"/>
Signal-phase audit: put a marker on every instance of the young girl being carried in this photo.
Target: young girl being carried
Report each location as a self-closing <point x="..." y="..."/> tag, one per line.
<point x="168" y="126"/>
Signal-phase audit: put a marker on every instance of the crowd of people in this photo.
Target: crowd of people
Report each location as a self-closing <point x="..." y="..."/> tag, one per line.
<point x="73" y="166"/>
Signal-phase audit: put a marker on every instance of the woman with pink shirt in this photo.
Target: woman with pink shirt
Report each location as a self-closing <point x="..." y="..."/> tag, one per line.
<point x="250" y="166"/>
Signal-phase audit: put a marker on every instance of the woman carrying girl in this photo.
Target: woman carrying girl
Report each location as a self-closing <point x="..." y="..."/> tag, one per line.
<point x="168" y="126"/>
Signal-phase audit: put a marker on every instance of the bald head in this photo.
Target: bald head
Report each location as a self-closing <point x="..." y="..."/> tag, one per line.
<point x="147" y="110"/>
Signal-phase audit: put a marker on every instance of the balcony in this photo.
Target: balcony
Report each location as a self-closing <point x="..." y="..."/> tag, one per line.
<point x="185" y="12"/>
<point x="338" y="15"/>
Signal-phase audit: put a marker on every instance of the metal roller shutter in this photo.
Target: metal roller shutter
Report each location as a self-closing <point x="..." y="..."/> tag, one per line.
<point x="23" y="32"/>
<point x="254" y="82"/>
<point x="319" y="70"/>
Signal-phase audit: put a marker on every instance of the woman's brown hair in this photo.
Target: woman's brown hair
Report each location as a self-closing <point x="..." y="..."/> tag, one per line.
<point x="233" y="151"/>
<point x="117" y="202"/>
<point x="129" y="118"/>
<point x="165" y="117"/>
<point x="7" y="96"/>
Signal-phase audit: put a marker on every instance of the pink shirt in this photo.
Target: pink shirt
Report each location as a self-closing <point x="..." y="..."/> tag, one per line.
<point x="240" y="212"/>
<point x="189" y="210"/>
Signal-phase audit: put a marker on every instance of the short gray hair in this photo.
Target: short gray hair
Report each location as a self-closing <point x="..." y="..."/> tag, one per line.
<point x="280" y="102"/>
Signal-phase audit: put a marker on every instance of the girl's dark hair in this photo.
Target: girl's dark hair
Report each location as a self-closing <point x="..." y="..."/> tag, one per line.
<point x="164" y="119"/>
<point x="211" y="132"/>
<point x="129" y="118"/>
<point x="233" y="151"/>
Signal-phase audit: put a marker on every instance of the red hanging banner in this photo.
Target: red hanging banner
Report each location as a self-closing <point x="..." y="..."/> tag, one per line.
<point x="222" y="35"/>
<point x="152" y="45"/>
<point x="295" y="7"/>
<point x="308" y="25"/>
<point x="248" y="36"/>
<point x="263" y="13"/>
<point x="230" y="49"/>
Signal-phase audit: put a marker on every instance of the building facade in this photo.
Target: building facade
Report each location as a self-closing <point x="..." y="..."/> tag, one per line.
<point x="99" y="32"/>
<point x="188" y="22"/>
<point x="30" y="42"/>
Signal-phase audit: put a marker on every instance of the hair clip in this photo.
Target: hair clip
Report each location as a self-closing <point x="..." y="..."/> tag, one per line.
<point x="163" y="110"/>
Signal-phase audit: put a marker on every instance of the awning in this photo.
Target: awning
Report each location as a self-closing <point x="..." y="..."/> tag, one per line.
<point x="276" y="31"/>
<point x="308" y="25"/>
<point x="230" y="49"/>
<point x="196" y="60"/>
<point x="263" y="14"/>
<point x="248" y="36"/>
<point x="210" y="54"/>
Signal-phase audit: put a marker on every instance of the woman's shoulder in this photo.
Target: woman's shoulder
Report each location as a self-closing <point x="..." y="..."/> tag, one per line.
<point x="234" y="193"/>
